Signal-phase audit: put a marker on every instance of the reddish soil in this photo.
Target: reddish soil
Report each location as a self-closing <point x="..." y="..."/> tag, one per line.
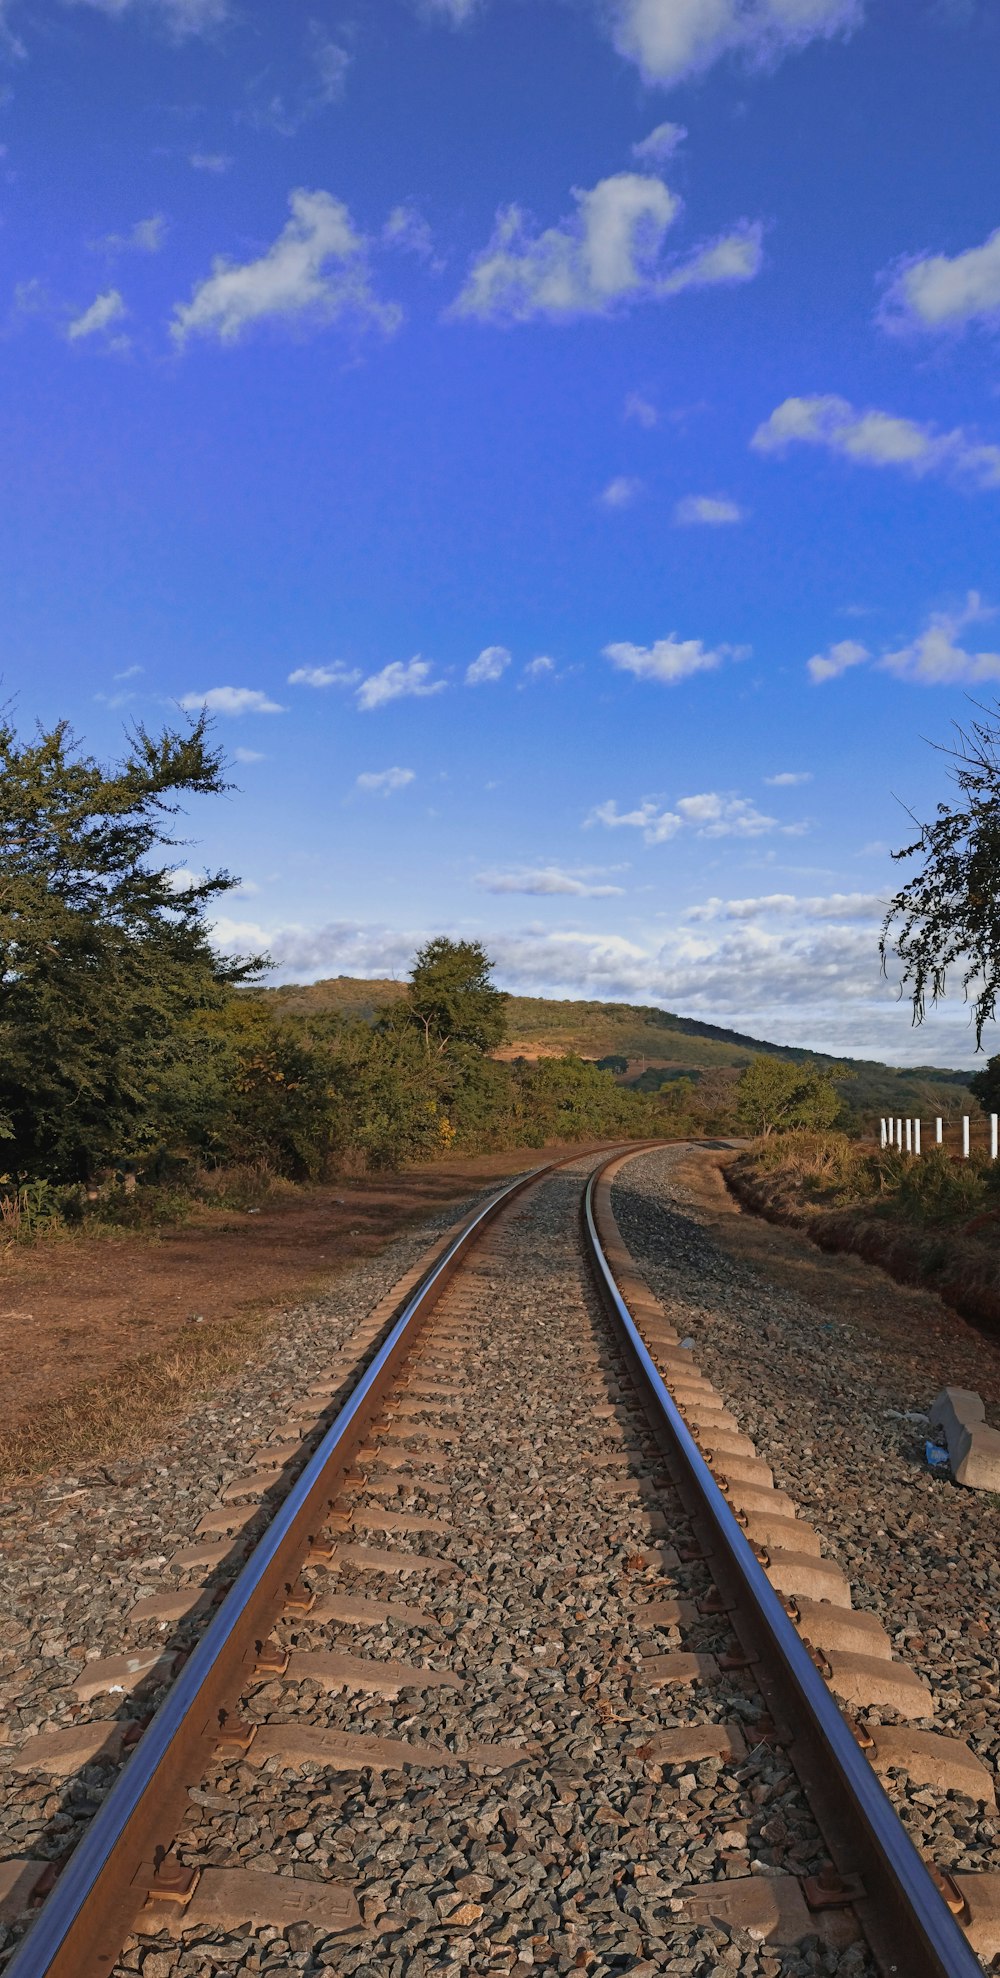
<point x="74" y="1309"/>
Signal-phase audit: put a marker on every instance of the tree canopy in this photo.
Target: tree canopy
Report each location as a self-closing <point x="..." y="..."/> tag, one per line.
<point x="453" y="998"/>
<point x="948" y="914"/>
<point x="776" y="1093"/>
<point x="104" y="957"/>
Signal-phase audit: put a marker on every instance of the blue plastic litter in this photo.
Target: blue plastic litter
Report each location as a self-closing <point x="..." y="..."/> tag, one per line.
<point x="937" y="1458"/>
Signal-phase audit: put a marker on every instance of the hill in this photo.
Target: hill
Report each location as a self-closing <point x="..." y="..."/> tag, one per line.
<point x="653" y="1041"/>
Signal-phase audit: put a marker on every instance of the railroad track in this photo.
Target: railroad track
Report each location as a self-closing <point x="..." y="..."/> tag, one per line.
<point x="526" y="1658"/>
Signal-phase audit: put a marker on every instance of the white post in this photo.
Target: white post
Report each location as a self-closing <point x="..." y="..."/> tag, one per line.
<point x="938" y="1131"/>
<point x="965" y="1136"/>
<point x="993" y="1136"/>
<point x="882" y="1135"/>
<point x="909" y="1136"/>
<point x="916" y="1136"/>
<point x="899" y="1136"/>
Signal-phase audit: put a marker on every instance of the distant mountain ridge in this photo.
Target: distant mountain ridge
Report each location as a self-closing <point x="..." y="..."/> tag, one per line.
<point x="650" y="1038"/>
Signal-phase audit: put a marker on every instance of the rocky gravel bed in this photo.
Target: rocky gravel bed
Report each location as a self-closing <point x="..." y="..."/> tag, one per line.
<point x="578" y="1858"/>
<point x="80" y="1549"/>
<point x="839" y="1411"/>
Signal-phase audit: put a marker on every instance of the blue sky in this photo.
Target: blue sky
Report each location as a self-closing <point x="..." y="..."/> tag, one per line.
<point x="559" y="440"/>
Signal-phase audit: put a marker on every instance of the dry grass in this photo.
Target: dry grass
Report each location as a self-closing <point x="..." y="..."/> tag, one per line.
<point x="122" y="1414"/>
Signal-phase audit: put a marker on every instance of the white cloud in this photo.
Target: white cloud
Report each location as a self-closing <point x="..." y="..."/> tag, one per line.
<point x="232" y="700"/>
<point x="382" y="782"/>
<point x="316" y="272"/>
<point x="797" y="972"/>
<point x="621" y="492"/>
<point x="248" y="755"/>
<point x="671" y="39"/>
<point x="407" y="229"/>
<point x="548" y="881"/>
<point x="934" y="658"/>
<point x="396" y="682"/>
<point x="829" y="906"/>
<point x="104" y="310"/>
<point x="944" y="292"/>
<point x="540" y="668"/>
<point x="324" y="676"/>
<point x="660" y="144"/>
<point x="712" y="510"/>
<point x="787" y="779"/>
<point x="710" y="814"/>
<point x="657" y="826"/>
<point x="210" y="161"/>
<point x="605" y="255"/>
<point x="286" y="110"/>
<point x="640" y="409"/>
<point x="492" y="663"/>
<point x="144" y="237"/>
<point x="671" y="659"/>
<point x="880" y="439"/>
<point x="827" y="665"/>
<point x="455" y="11"/>
<point x="180" y="17"/>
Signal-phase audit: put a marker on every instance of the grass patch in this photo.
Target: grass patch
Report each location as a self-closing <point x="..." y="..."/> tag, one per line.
<point x="122" y="1413"/>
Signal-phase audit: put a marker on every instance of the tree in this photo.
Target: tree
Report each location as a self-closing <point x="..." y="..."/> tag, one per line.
<point x="948" y="914"/>
<point x="452" y="997"/>
<point x="985" y="1086"/>
<point x="104" y="957"/>
<point x="776" y="1093"/>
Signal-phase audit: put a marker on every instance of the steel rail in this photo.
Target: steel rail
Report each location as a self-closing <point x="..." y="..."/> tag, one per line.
<point x="80" y="1928"/>
<point x="909" y="1927"/>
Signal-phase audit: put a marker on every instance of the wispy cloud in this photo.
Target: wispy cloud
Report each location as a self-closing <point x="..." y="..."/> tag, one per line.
<point x="232" y="700"/>
<point x="181" y="18"/>
<point x="105" y="310"/>
<point x="316" y="272"/>
<point x="382" y="782"/>
<point x="671" y="39"/>
<point x="711" y="511"/>
<point x="670" y="660"/>
<point x="324" y="676"/>
<point x="878" y="439"/>
<point x="248" y="755"/>
<point x="788" y="779"/>
<point x="660" y="144"/>
<point x="944" y="291"/>
<point x="407" y="229"/>
<point x="641" y="410"/>
<point x="398" y="681"/>
<point x="604" y="257"/>
<point x="210" y="161"/>
<point x="549" y="881"/>
<point x="491" y="665"/>
<point x="936" y="657"/>
<point x="144" y="237"/>
<point x="621" y="492"/>
<point x="541" y="668"/>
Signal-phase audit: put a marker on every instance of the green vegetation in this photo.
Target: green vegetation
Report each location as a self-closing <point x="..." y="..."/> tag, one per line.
<point x="830" y="1170"/>
<point x="137" y="1067"/>
<point x="774" y="1095"/>
<point x="657" y="1046"/>
<point x="948" y="914"/>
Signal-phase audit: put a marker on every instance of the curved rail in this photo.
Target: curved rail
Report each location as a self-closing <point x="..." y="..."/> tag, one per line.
<point x="909" y="1927"/>
<point x="79" y="1930"/>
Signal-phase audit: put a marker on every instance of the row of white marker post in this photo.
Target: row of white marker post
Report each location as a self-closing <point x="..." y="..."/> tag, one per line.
<point x="900" y="1133"/>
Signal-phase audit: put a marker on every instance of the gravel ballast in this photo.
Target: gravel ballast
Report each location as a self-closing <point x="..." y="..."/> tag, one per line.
<point x="578" y="1858"/>
<point x="839" y="1409"/>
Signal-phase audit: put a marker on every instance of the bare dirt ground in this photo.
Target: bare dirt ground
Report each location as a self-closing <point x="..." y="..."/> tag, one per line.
<point x="915" y="1328"/>
<point x="74" y="1310"/>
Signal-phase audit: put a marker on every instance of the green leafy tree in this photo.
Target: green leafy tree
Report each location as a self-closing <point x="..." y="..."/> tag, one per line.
<point x="104" y="960"/>
<point x="948" y="914"/>
<point x="985" y="1086"/>
<point x="776" y="1093"/>
<point x="452" y="997"/>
